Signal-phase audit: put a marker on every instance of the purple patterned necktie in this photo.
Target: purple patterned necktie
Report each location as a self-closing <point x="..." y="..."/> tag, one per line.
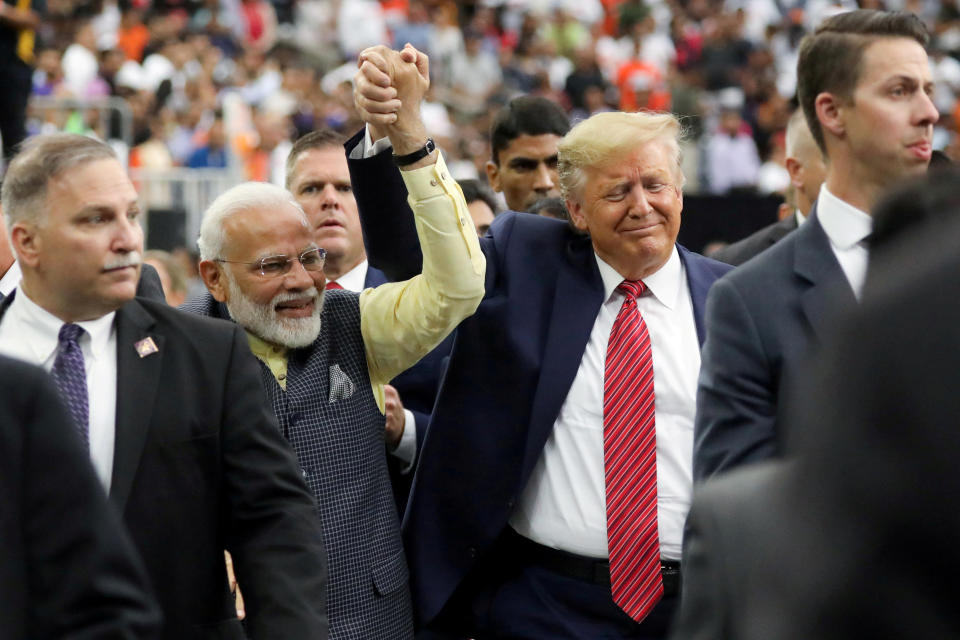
<point x="71" y="377"/>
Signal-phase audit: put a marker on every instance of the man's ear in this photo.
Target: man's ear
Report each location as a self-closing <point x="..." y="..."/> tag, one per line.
<point x="215" y="280"/>
<point x="795" y="169"/>
<point x="577" y="216"/>
<point x="493" y="176"/>
<point x="26" y="243"/>
<point x="829" y="109"/>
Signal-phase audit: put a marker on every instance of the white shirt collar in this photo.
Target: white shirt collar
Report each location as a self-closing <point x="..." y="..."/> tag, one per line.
<point x="844" y="224"/>
<point x="665" y="283"/>
<point x="800" y="218"/>
<point x="41" y="328"/>
<point x="10" y="279"/>
<point x="354" y="279"/>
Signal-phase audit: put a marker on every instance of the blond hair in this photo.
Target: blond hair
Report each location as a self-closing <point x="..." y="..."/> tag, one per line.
<point x="605" y="138"/>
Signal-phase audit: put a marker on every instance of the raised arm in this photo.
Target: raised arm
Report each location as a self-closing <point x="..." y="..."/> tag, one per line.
<point x="389" y="231"/>
<point x="403" y="321"/>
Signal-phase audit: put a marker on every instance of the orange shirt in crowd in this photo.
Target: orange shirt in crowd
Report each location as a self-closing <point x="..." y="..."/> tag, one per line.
<point x="636" y="76"/>
<point x="133" y="41"/>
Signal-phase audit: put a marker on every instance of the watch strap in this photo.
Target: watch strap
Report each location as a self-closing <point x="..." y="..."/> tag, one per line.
<point x="421" y="153"/>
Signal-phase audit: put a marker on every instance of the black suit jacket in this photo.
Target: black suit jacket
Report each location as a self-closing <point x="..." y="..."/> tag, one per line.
<point x="200" y="466"/>
<point x="763" y="319"/>
<point x="67" y="568"/>
<point x="756" y="243"/>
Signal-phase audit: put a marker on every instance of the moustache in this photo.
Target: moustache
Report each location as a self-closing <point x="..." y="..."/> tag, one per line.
<point x="287" y="296"/>
<point x="131" y="259"/>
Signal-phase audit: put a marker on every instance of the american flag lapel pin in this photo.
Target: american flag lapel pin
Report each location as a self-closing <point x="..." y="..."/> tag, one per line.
<point x="145" y="347"/>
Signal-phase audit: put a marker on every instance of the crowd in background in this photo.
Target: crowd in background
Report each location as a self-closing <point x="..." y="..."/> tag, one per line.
<point x="231" y="83"/>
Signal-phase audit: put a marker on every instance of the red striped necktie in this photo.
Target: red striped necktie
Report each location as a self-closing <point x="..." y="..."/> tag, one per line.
<point x="630" y="461"/>
<point x="331" y="284"/>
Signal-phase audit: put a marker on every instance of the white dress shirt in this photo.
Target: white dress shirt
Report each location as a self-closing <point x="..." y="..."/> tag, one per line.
<point x="10" y="279"/>
<point x="846" y="227"/>
<point x="406" y="450"/>
<point x="29" y="332"/>
<point x="564" y="504"/>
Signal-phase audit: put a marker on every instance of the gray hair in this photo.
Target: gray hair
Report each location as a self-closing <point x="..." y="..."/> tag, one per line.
<point x="243" y="197"/>
<point x="44" y="157"/>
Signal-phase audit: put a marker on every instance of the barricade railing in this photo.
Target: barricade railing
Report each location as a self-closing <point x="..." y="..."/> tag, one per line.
<point x="174" y="201"/>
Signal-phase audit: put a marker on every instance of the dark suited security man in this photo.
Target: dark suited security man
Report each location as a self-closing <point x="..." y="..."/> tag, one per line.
<point x="864" y="84"/>
<point x="149" y="285"/>
<point x="170" y="405"/>
<point x="825" y="545"/>
<point x="806" y="167"/>
<point x="67" y="568"/>
<point x="318" y="177"/>
<point x="519" y="423"/>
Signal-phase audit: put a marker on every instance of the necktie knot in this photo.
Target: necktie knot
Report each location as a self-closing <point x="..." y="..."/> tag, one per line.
<point x="70" y="334"/>
<point x="632" y="288"/>
<point x="331" y="284"/>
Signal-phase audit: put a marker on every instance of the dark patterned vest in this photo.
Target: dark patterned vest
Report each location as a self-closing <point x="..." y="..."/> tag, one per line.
<point x="329" y="416"/>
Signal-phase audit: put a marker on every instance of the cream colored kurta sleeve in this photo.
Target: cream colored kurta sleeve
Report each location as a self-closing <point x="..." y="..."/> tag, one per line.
<point x="403" y="321"/>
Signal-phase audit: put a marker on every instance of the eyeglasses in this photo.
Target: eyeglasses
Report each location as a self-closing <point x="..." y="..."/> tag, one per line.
<point x="275" y="266"/>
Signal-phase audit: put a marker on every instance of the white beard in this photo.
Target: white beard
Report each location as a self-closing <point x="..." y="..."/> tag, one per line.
<point x="264" y="322"/>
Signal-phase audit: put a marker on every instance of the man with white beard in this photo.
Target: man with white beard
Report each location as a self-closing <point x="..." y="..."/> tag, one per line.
<point x="325" y="356"/>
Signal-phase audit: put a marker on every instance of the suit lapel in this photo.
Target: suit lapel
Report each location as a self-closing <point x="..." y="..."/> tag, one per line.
<point x="137" y="381"/>
<point x="829" y="289"/>
<point x="699" y="280"/>
<point x="576" y="302"/>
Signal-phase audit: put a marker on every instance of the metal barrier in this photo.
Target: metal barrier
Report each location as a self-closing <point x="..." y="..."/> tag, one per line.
<point x="39" y="105"/>
<point x="174" y="201"/>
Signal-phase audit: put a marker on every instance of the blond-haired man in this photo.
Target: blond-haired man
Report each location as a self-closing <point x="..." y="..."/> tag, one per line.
<point x="506" y="529"/>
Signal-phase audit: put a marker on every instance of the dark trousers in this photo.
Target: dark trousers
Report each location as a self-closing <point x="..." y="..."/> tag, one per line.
<point x="15" y="84"/>
<point x="509" y="597"/>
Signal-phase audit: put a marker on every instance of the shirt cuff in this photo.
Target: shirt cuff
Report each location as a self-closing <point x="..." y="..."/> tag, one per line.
<point x="367" y="147"/>
<point x="406" y="451"/>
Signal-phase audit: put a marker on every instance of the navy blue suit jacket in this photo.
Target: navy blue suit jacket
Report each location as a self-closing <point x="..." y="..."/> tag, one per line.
<point x="762" y="320"/>
<point x="511" y="367"/>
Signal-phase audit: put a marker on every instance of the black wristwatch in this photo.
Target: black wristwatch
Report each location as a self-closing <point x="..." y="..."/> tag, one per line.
<point x="421" y="153"/>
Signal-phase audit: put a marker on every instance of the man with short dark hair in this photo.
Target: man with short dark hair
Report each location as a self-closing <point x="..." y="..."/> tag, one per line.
<point x="523" y="141"/>
<point x="864" y="84"/>
<point x="170" y="405"/>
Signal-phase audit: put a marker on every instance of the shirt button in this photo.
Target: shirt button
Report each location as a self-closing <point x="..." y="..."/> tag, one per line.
<point x="433" y="183"/>
<point x="443" y="175"/>
<point x="282" y="377"/>
<point x="463" y="221"/>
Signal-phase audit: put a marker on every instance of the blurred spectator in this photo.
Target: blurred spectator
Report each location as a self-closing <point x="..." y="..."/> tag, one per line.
<point x="475" y="75"/>
<point x="214" y="153"/>
<point x="482" y="204"/>
<point x="132" y="35"/>
<point x="172" y="276"/>
<point x="732" y="159"/>
<point x="79" y="61"/>
<point x="550" y="208"/>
